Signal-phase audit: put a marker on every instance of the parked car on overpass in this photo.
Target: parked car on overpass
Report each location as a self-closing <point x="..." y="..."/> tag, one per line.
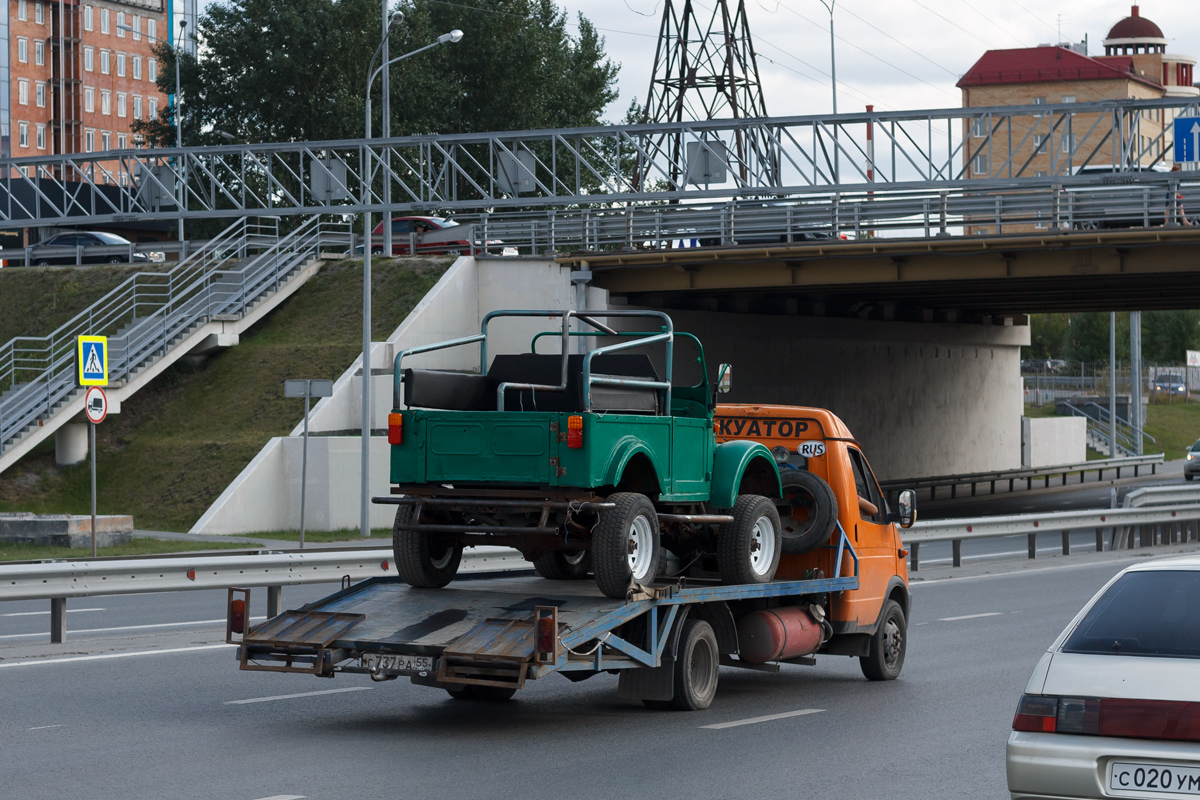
<point x="1113" y="708"/>
<point x="433" y="236"/>
<point x="62" y="249"/>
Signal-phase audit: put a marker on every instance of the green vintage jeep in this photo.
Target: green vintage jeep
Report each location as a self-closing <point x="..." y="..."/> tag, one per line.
<point x="591" y="462"/>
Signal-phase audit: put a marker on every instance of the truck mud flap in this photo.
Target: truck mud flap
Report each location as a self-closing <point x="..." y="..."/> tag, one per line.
<point x="297" y="641"/>
<point x="496" y="652"/>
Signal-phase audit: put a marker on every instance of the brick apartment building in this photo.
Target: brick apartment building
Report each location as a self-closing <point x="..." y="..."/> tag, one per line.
<point x="73" y="78"/>
<point x="1135" y="64"/>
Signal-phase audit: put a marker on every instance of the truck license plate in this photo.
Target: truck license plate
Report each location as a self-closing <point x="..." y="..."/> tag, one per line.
<point x="395" y="662"/>
<point x="1134" y="779"/>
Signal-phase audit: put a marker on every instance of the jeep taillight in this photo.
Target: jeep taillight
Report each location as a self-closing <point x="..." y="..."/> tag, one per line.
<point x="395" y="428"/>
<point x="575" y="432"/>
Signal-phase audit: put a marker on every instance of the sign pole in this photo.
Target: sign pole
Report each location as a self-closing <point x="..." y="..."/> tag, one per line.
<point x="304" y="460"/>
<point x="92" y="448"/>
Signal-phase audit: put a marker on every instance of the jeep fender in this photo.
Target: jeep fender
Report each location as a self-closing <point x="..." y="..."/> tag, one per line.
<point x="731" y="462"/>
<point x="624" y="451"/>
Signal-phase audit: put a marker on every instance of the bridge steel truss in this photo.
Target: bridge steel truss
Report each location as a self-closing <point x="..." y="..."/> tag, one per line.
<point x="924" y="151"/>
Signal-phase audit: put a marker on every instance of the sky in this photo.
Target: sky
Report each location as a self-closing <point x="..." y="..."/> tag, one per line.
<point x="894" y="54"/>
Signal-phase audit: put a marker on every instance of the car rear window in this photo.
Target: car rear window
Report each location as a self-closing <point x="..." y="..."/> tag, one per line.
<point x="1150" y="613"/>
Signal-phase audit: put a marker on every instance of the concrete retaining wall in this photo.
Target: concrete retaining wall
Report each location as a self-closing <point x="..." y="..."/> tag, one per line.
<point x="1054" y="440"/>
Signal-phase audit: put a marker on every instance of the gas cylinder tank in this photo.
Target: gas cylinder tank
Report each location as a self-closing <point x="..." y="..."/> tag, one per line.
<point x="778" y="634"/>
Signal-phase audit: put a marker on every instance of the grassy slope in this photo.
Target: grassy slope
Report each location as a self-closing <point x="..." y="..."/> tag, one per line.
<point x="177" y="444"/>
<point x="60" y="293"/>
<point x="1175" y="427"/>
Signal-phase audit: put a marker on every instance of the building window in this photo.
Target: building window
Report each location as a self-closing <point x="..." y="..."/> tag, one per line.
<point x="105" y="66"/>
<point x="137" y="106"/>
<point x="152" y="28"/>
<point x="1067" y="144"/>
<point x="137" y="27"/>
<point x="39" y="12"/>
<point x="1039" y="101"/>
<point x="39" y="53"/>
<point x="89" y="100"/>
<point x="23" y="10"/>
<point x="23" y="134"/>
<point x="153" y="107"/>
<point x="41" y="137"/>
<point x="89" y="59"/>
<point x="106" y="103"/>
<point x="121" y="24"/>
<point x="122" y="141"/>
<point x="88" y="18"/>
<point x="41" y="94"/>
<point x="120" y="65"/>
<point x="106" y="141"/>
<point x="1039" y="143"/>
<point x="23" y="93"/>
<point x="980" y="164"/>
<point x="979" y="128"/>
<point x="121" y="105"/>
<point x="152" y="70"/>
<point x="104" y="20"/>
<point x="137" y="68"/>
<point x="23" y="50"/>
<point x="1068" y="98"/>
<point x="89" y="141"/>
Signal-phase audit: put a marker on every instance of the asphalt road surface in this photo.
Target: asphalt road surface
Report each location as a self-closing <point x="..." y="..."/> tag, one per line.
<point x="163" y="712"/>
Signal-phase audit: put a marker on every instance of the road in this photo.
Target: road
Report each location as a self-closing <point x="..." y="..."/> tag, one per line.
<point x="163" y="712"/>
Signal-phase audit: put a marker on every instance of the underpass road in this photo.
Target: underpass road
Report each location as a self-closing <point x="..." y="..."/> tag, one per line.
<point x="127" y="720"/>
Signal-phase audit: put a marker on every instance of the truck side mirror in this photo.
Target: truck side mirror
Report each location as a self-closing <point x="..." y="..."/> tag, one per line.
<point x="908" y="508"/>
<point x="725" y="379"/>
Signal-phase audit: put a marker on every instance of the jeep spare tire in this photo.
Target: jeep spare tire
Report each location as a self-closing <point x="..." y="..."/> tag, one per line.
<point x="814" y="513"/>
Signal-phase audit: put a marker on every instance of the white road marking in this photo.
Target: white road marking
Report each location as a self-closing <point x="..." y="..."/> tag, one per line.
<point x="971" y="616"/>
<point x="300" y="694"/>
<point x="125" y="628"/>
<point x="47" y="613"/>
<point x="43" y="727"/>
<point x="755" y="720"/>
<point x="40" y="661"/>
<point x="284" y="797"/>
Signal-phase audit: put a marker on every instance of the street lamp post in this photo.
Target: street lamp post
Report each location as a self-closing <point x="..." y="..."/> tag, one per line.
<point x="829" y="5"/>
<point x="451" y="37"/>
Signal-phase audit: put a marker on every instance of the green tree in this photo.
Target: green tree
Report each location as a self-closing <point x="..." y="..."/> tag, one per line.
<point x="1089" y="337"/>
<point x="1050" y="336"/>
<point x="1167" y="335"/>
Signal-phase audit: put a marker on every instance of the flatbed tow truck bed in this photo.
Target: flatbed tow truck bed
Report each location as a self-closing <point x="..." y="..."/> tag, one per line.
<point x="500" y="632"/>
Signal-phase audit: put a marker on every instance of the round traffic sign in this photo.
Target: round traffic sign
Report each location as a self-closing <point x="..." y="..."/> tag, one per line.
<point x="95" y="405"/>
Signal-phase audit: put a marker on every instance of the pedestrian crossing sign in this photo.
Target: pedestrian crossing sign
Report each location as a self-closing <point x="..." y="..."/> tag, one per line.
<point x="92" y="357"/>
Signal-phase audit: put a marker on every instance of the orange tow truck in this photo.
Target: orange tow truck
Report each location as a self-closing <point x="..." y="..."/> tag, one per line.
<point x="828" y="481"/>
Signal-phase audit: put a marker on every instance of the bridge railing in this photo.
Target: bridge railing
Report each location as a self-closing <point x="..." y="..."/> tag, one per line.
<point x="953" y="149"/>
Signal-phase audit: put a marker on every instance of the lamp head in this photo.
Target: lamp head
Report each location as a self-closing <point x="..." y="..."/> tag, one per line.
<point x="453" y="37"/>
<point x="396" y="21"/>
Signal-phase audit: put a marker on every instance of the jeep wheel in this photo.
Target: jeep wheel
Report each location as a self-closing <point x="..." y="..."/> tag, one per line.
<point x="563" y="565"/>
<point x="424" y="560"/>
<point x="748" y="548"/>
<point x="625" y="544"/>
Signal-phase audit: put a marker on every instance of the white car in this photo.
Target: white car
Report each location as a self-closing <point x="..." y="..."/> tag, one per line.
<point x="1113" y="708"/>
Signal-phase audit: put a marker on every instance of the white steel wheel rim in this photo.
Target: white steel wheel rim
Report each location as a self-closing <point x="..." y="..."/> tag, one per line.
<point x="639" y="547"/>
<point x="762" y="545"/>
<point x="700" y="668"/>
<point x="574" y="558"/>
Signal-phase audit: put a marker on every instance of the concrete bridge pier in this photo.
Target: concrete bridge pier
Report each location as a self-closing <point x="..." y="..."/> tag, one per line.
<point x="71" y="444"/>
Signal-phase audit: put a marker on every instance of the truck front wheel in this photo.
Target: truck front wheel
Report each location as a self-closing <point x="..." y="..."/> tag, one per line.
<point x="886" y="657"/>
<point x="424" y="560"/>
<point x="625" y="544"/>
<point x="748" y="548"/>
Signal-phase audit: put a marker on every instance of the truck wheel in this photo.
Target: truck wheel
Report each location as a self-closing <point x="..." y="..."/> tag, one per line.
<point x="886" y="657"/>
<point x="424" y="560"/>
<point x="488" y="694"/>
<point x="814" y="511"/>
<point x="748" y="548"/>
<point x="563" y="565"/>
<point x="625" y="544"/>
<point x="696" y="667"/>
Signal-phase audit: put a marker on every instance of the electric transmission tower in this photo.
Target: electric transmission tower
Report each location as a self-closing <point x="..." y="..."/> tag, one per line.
<point x="704" y="72"/>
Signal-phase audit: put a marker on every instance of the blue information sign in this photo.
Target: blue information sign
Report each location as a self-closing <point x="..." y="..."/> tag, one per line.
<point x="1187" y="139"/>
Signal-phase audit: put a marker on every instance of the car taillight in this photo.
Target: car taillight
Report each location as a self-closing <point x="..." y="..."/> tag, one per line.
<point x="575" y="432"/>
<point x="1150" y="719"/>
<point x="395" y="428"/>
<point x="1036" y="713"/>
<point x="1078" y="715"/>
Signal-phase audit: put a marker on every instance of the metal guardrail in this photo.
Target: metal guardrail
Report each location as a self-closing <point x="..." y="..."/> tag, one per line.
<point x="60" y="580"/>
<point x="150" y="311"/>
<point x="156" y="252"/>
<point x="1029" y="475"/>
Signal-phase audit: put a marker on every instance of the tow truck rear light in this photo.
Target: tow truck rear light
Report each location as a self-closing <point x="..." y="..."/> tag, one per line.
<point x="545" y="633"/>
<point x="1036" y="713"/>
<point x="575" y="432"/>
<point x="395" y="428"/>
<point x="236" y="617"/>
